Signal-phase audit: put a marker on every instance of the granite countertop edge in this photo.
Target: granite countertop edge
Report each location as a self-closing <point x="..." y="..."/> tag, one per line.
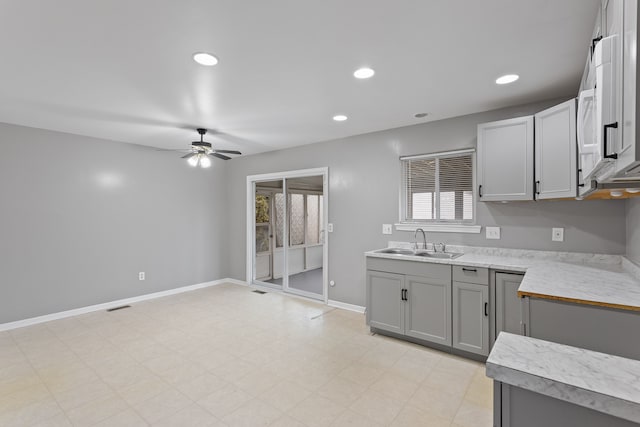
<point x="501" y="366"/>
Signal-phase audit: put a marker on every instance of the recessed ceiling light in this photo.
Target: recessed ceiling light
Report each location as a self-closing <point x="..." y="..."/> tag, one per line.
<point x="340" y="118"/>
<point x="420" y="115"/>
<point x="363" y="73"/>
<point x="507" y="78"/>
<point x="204" y="58"/>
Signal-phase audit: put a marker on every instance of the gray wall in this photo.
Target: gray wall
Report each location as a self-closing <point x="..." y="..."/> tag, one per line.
<point x="633" y="230"/>
<point x="81" y="217"/>
<point x="364" y="177"/>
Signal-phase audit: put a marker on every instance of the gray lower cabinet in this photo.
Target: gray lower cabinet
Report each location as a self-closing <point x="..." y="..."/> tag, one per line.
<point x="517" y="407"/>
<point x="602" y="329"/>
<point x="385" y="308"/>
<point x="410" y="298"/>
<point x="471" y="317"/>
<point x="428" y="309"/>
<point x="508" y="309"/>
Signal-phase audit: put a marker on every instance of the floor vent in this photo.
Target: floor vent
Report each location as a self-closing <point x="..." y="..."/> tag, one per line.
<point x="118" y="308"/>
<point x="259" y="292"/>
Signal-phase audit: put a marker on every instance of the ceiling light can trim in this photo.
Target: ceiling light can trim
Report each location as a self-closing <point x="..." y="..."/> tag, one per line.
<point x="364" y="73"/>
<point x="506" y="79"/>
<point x="205" y="58"/>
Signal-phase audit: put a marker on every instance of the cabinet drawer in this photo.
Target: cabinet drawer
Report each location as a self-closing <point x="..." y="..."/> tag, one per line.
<point x="471" y="275"/>
<point x="412" y="268"/>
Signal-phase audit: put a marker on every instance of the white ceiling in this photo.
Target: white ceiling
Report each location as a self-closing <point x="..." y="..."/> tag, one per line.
<point x="122" y="70"/>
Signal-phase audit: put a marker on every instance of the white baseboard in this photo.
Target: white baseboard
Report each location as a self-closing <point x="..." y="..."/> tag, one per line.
<point x="236" y="282"/>
<point x="111" y="304"/>
<point x="107" y="305"/>
<point x="345" y="306"/>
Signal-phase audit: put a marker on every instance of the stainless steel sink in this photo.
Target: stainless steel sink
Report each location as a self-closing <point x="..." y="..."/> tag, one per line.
<point x="439" y="255"/>
<point x="396" y="251"/>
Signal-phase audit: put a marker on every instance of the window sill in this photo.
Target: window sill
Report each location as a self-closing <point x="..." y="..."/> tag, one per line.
<point x="440" y="228"/>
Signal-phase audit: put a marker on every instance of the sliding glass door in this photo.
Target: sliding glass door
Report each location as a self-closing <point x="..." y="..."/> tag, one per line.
<point x="305" y="250"/>
<point x="268" y="231"/>
<point x="289" y="237"/>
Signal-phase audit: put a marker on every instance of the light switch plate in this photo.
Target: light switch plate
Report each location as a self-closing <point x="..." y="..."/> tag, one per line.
<point x="330" y="227"/>
<point x="492" y="233"/>
<point x="387" y="228"/>
<point x="557" y="234"/>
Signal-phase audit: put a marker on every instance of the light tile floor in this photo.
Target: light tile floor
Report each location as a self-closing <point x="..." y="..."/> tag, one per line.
<point x="225" y="356"/>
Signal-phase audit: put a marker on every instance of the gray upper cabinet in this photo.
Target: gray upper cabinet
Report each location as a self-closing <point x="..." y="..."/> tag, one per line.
<point x="385" y="301"/>
<point x="596" y="35"/>
<point x="428" y="309"/>
<point x="508" y="309"/>
<point x="471" y="317"/>
<point x="505" y="160"/>
<point x="629" y="150"/>
<point x="556" y="152"/>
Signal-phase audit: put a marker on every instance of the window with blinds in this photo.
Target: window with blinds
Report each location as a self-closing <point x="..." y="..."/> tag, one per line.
<point x="438" y="188"/>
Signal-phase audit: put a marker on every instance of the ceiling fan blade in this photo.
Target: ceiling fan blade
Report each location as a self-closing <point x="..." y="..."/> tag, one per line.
<point x="188" y="156"/>
<point x="220" y="156"/>
<point x="228" y="151"/>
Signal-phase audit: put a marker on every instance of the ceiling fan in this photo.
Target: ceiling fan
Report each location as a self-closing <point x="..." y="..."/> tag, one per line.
<point x="201" y="150"/>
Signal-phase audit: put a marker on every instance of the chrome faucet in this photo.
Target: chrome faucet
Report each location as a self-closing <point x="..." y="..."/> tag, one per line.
<point x="424" y="238"/>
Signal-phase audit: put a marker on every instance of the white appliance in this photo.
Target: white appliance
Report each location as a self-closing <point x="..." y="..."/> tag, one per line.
<point x="597" y="120"/>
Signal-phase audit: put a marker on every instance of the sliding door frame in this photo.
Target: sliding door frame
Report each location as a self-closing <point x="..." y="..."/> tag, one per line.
<point x="250" y="243"/>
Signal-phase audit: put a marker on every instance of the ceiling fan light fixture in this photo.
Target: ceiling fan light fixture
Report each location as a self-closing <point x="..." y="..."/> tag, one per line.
<point x="205" y="161"/>
<point x="193" y="160"/>
<point x="204" y="58"/>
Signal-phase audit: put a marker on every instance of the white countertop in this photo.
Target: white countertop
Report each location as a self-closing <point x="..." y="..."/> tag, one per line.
<point x="582" y="284"/>
<point x="576" y="277"/>
<point x="602" y="382"/>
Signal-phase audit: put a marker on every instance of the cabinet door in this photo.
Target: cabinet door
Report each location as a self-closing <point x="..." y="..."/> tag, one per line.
<point x="508" y="310"/>
<point x="428" y="309"/>
<point x="384" y="301"/>
<point x="505" y="160"/>
<point x="597" y="33"/>
<point x="629" y="151"/>
<point x="471" y="317"/>
<point x="556" y="152"/>
<point x="612" y="16"/>
<point x="613" y="23"/>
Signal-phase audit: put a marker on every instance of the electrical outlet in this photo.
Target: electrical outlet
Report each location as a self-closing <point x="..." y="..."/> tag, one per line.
<point x="492" y="233"/>
<point x="387" y="229"/>
<point x="330" y="227"/>
<point x="141" y="275"/>
<point x="557" y="234"/>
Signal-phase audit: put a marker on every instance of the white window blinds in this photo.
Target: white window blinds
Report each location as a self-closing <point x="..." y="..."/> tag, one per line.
<point x="438" y="188"/>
